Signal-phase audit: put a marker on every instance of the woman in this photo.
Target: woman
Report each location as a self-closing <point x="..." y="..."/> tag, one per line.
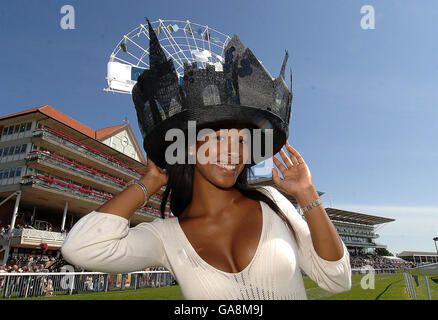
<point x="228" y="240"/>
<point x="225" y="244"/>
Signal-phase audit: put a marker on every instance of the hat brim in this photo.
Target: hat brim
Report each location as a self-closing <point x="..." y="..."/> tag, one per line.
<point x="214" y="117"/>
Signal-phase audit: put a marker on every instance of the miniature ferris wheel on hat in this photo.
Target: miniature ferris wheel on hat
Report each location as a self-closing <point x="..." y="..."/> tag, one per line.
<point x="182" y="41"/>
<point x="213" y="88"/>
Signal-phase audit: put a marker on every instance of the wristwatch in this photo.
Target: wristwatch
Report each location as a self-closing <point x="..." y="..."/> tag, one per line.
<point x="142" y="186"/>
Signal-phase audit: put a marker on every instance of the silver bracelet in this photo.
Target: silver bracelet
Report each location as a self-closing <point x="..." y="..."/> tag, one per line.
<point x="141" y="185"/>
<point x="312" y="205"/>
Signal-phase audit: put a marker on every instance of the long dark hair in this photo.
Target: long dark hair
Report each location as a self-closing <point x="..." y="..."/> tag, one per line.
<point x="180" y="188"/>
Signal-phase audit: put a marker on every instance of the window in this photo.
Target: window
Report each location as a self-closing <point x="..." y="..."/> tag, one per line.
<point x="18" y="172"/>
<point x="5" y="131"/>
<point x="1" y="152"/>
<point x="22" y="127"/>
<point x="5" y="151"/>
<point x="11" y="150"/>
<point x="11" y="130"/>
<point x="12" y="173"/>
<point x="28" y="126"/>
<point x="1" y="174"/>
<point x="23" y="148"/>
<point x="17" y="149"/>
<point x="17" y="128"/>
<point x="6" y="173"/>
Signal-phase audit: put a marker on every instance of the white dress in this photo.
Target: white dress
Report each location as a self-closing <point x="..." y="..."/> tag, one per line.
<point x="104" y="242"/>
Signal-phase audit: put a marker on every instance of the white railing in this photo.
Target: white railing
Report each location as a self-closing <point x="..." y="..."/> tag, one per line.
<point x="147" y="211"/>
<point x="38" y="234"/>
<point x="377" y="271"/>
<point x="77" y="169"/>
<point x="76" y="145"/>
<point x="25" y="285"/>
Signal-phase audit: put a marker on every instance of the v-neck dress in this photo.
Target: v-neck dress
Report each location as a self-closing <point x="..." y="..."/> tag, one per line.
<point x="104" y="242"/>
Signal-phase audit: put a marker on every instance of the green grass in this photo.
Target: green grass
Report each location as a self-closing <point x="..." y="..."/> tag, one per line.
<point x="421" y="290"/>
<point x="387" y="287"/>
<point x="163" y="293"/>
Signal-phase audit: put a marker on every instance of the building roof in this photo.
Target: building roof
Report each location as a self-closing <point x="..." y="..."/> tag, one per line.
<point x="416" y="253"/>
<point x="101" y="134"/>
<point x="355" y="217"/>
<point x="57" y="115"/>
<point x="392" y="258"/>
<point x="98" y="135"/>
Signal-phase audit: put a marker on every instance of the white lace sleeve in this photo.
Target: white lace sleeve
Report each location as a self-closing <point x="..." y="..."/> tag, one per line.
<point x="104" y="242"/>
<point x="333" y="276"/>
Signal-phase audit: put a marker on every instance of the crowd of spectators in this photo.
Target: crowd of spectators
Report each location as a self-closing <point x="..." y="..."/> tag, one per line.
<point x="26" y="221"/>
<point x="35" y="264"/>
<point x="44" y="264"/>
<point x="36" y="285"/>
<point x="54" y="264"/>
<point x="358" y="261"/>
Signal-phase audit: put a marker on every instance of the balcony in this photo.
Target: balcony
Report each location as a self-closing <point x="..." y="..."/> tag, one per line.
<point x="32" y="237"/>
<point x="359" y="234"/>
<point x="59" y="166"/>
<point x="53" y="140"/>
<point x="364" y="244"/>
<point x="56" y="189"/>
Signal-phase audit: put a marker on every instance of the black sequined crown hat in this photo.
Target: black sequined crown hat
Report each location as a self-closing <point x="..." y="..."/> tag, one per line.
<point x="242" y="93"/>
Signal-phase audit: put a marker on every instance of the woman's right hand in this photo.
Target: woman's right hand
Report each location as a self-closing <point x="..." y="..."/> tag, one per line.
<point x="154" y="176"/>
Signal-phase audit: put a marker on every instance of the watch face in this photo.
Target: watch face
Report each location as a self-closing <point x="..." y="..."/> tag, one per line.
<point x="124" y="141"/>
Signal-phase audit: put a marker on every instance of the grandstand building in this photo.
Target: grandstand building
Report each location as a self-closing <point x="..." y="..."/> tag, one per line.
<point x="357" y="230"/>
<point x="419" y="256"/>
<point x="54" y="170"/>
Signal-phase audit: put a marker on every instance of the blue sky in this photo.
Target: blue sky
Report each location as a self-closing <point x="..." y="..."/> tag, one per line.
<point x="365" y="101"/>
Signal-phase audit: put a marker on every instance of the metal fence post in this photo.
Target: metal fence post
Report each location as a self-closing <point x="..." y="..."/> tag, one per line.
<point x="5" y="290"/>
<point x="135" y="280"/>
<point x="427" y="288"/>
<point x="414" y="295"/>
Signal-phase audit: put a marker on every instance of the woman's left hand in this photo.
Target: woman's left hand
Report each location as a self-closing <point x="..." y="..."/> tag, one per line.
<point x="296" y="173"/>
